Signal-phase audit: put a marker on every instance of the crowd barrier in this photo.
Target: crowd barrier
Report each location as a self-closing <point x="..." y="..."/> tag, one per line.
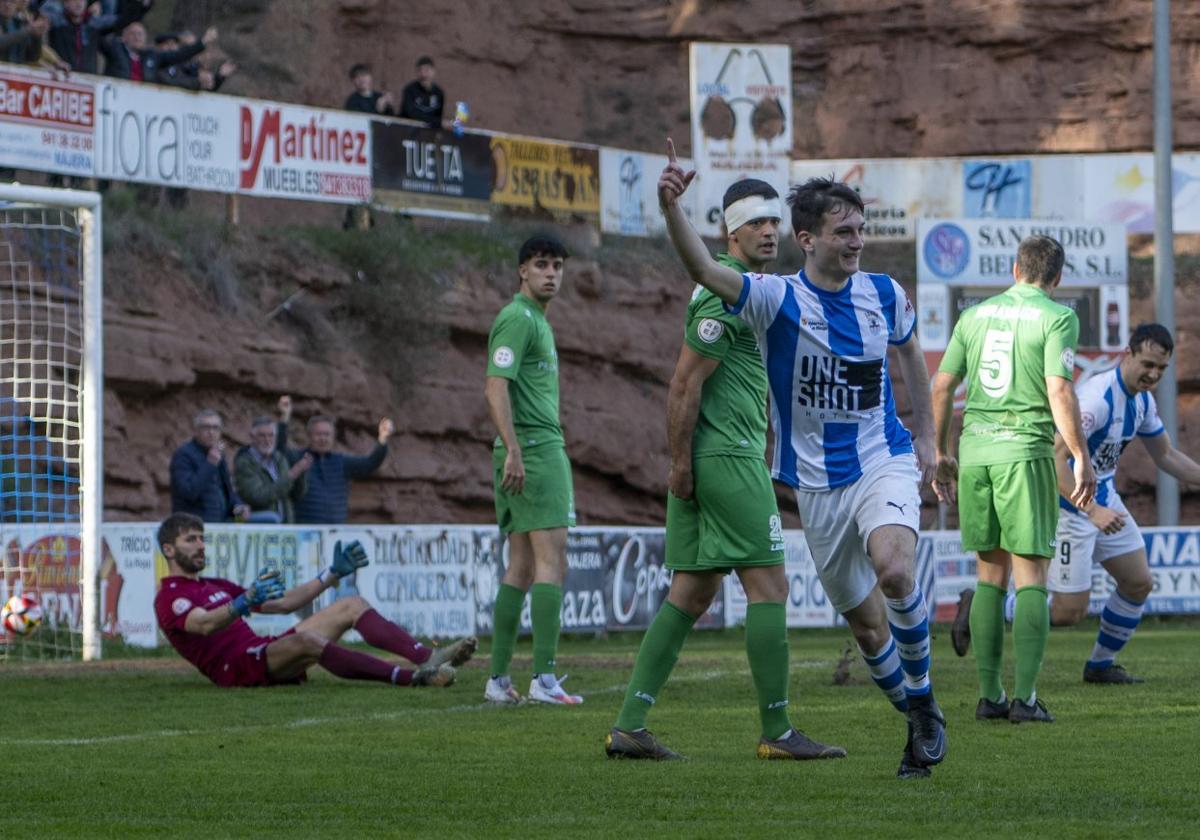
<point x="441" y="581"/>
<point x="98" y="127"/>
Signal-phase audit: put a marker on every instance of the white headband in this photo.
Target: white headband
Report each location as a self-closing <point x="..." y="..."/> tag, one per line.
<point x="750" y="208"/>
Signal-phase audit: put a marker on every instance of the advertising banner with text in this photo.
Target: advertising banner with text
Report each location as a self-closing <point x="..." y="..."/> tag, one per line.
<point x="629" y="193"/>
<point x="290" y="151"/>
<point x="741" y="104"/>
<point x="46" y="124"/>
<point x="540" y="178"/>
<point x="430" y="172"/>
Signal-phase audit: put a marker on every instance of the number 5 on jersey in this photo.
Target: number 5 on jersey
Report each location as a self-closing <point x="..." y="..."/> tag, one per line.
<point x="995" y="363"/>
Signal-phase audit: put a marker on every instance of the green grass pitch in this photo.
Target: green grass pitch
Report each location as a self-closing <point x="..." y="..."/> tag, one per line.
<point x="144" y="747"/>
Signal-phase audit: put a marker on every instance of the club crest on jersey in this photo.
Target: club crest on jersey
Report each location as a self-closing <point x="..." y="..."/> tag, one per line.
<point x="709" y="330"/>
<point x="874" y="324"/>
<point x="180" y="605"/>
<point x="1068" y="358"/>
<point x="503" y="357"/>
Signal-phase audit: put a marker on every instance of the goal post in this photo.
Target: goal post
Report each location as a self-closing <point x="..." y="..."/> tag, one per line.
<point x="56" y="389"/>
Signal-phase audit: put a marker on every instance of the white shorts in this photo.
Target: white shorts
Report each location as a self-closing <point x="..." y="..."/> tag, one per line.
<point x="1081" y="545"/>
<point x="838" y="522"/>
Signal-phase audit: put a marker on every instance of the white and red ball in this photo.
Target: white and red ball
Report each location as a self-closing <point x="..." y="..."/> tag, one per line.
<point x="21" y="615"/>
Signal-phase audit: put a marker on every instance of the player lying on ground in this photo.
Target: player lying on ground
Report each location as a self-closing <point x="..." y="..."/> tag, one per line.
<point x="824" y="334"/>
<point x="204" y="619"/>
<point x="721" y="510"/>
<point x="1117" y="406"/>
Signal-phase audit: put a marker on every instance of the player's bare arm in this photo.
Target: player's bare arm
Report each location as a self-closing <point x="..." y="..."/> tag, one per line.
<point x="1064" y="406"/>
<point x="1105" y="519"/>
<point x="945" y="478"/>
<point x="1170" y="460"/>
<point x="296" y="597"/>
<point x="916" y="379"/>
<point x="206" y="622"/>
<point x="500" y="409"/>
<point x="683" y="408"/>
<point x="721" y="280"/>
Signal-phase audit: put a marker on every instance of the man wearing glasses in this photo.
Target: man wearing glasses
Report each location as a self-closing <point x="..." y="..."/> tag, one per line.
<point x="200" y="483"/>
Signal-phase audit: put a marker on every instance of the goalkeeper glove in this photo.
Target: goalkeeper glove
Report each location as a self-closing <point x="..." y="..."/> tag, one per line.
<point x="266" y="587"/>
<point x="346" y="561"/>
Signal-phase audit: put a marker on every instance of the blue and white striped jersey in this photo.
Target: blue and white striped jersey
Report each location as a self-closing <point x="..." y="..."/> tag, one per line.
<point x="1112" y="417"/>
<point x="832" y="410"/>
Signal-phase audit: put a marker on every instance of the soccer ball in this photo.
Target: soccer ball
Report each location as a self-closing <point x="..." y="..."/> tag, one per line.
<point x="21" y="615"/>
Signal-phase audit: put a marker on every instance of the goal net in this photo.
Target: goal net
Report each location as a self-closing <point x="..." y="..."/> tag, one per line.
<point x="51" y="431"/>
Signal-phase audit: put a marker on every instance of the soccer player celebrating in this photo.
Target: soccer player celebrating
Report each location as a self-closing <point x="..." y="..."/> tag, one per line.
<point x="531" y="474"/>
<point x="721" y="510"/>
<point x="204" y="619"/>
<point x="824" y="334"/>
<point x="1116" y="406"/>
<point x="1017" y="350"/>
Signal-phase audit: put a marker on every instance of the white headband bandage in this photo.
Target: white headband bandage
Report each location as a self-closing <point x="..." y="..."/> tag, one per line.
<point x="750" y="208"/>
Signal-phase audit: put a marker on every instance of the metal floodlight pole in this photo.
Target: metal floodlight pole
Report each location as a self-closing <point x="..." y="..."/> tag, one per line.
<point x="1164" y="244"/>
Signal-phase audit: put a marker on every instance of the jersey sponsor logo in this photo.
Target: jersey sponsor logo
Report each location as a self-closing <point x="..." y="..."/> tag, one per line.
<point x="808" y="322"/>
<point x="180" y="605"/>
<point x="503" y="357"/>
<point x="1068" y="358"/>
<point x="709" y="330"/>
<point x="826" y="382"/>
<point x="1107" y="454"/>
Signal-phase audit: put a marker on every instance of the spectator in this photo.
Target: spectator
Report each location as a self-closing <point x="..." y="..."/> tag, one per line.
<point x="365" y="98"/>
<point x="200" y="483"/>
<point x="263" y="479"/>
<point x="76" y="34"/>
<point x="20" y="33"/>
<point x="423" y="100"/>
<point x="191" y="75"/>
<point x="327" y="499"/>
<point x="128" y="57"/>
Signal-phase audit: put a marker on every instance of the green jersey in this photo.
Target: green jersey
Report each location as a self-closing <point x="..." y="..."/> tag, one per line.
<point x="733" y="413"/>
<point x="521" y="349"/>
<point x="1005" y="347"/>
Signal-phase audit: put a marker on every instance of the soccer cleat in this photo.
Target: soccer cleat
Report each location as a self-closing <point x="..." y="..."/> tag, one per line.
<point x="928" y="729"/>
<point x="960" y="631"/>
<point x="500" y="690"/>
<point x="454" y="654"/>
<point x="640" y="743"/>
<point x="437" y="675"/>
<point x="1112" y="675"/>
<point x="992" y="709"/>
<point x="909" y="768"/>
<point x="1021" y="712"/>
<point x="797" y="746"/>
<point x="547" y="688"/>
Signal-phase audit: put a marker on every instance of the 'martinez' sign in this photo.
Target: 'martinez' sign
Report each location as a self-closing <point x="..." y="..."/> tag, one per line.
<point x="981" y="252"/>
<point x="290" y="151"/>
<point x="46" y="124"/>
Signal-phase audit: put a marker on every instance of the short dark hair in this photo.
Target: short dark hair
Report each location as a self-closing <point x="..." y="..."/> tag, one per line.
<point x="264" y="420"/>
<point x="745" y="188"/>
<point x="1145" y="334"/>
<point x="358" y="69"/>
<point x="163" y="37"/>
<point x="814" y="198"/>
<point x="1040" y="259"/>
<point x="175" y="525"/>
<point x="320" y="418"/>
<point x="542" y="245"/>
<point x="424" y="60"/>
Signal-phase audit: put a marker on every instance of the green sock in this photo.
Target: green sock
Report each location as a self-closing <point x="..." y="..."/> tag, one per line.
<point x="1031" y="629"/>
<point x="767" y="650"/>
<point x="545" y="613"/>
<point x="655" y="660"/>
<point x="987" y="638"/>
<point x="506" y="620"/>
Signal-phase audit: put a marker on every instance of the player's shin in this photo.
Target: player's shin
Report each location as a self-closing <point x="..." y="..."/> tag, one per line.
<point x="352" y="665"/>
<point x="378" y="632"/>
<point x="987" y="638"/>
<point x="767" y="650"/>
<point x="885" y="669"/>
<point x="1119" y="618"/>
<point x="506" y="620"/>
<point x="545" y="613"/>
<point x="655" y="660"/>
<point x="1031" y="629"/>
<point x="908" y="619"/>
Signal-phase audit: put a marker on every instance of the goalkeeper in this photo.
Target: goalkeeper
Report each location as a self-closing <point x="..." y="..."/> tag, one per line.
<point x="203" y="618"/>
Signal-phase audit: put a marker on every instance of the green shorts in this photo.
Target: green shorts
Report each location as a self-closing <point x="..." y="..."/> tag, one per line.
<point x="1009" y="506"/>
<point x="732" y="519"/>
<point x="548" y="500"/>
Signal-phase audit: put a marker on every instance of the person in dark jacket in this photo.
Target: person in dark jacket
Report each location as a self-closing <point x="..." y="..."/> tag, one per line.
<point x="20" y="34"/>
<point x="128" y="57"/>
<point x="77" y="35"/>
<point x="264" y="480"/>
<point x="422" y="99"/>
<point x="328" y="497"/>
<point x="200" y="483"/>
<point x="365" y="98"/>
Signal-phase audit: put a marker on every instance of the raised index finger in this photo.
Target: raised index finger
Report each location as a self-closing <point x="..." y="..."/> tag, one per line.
<point x="671" y="151"/>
